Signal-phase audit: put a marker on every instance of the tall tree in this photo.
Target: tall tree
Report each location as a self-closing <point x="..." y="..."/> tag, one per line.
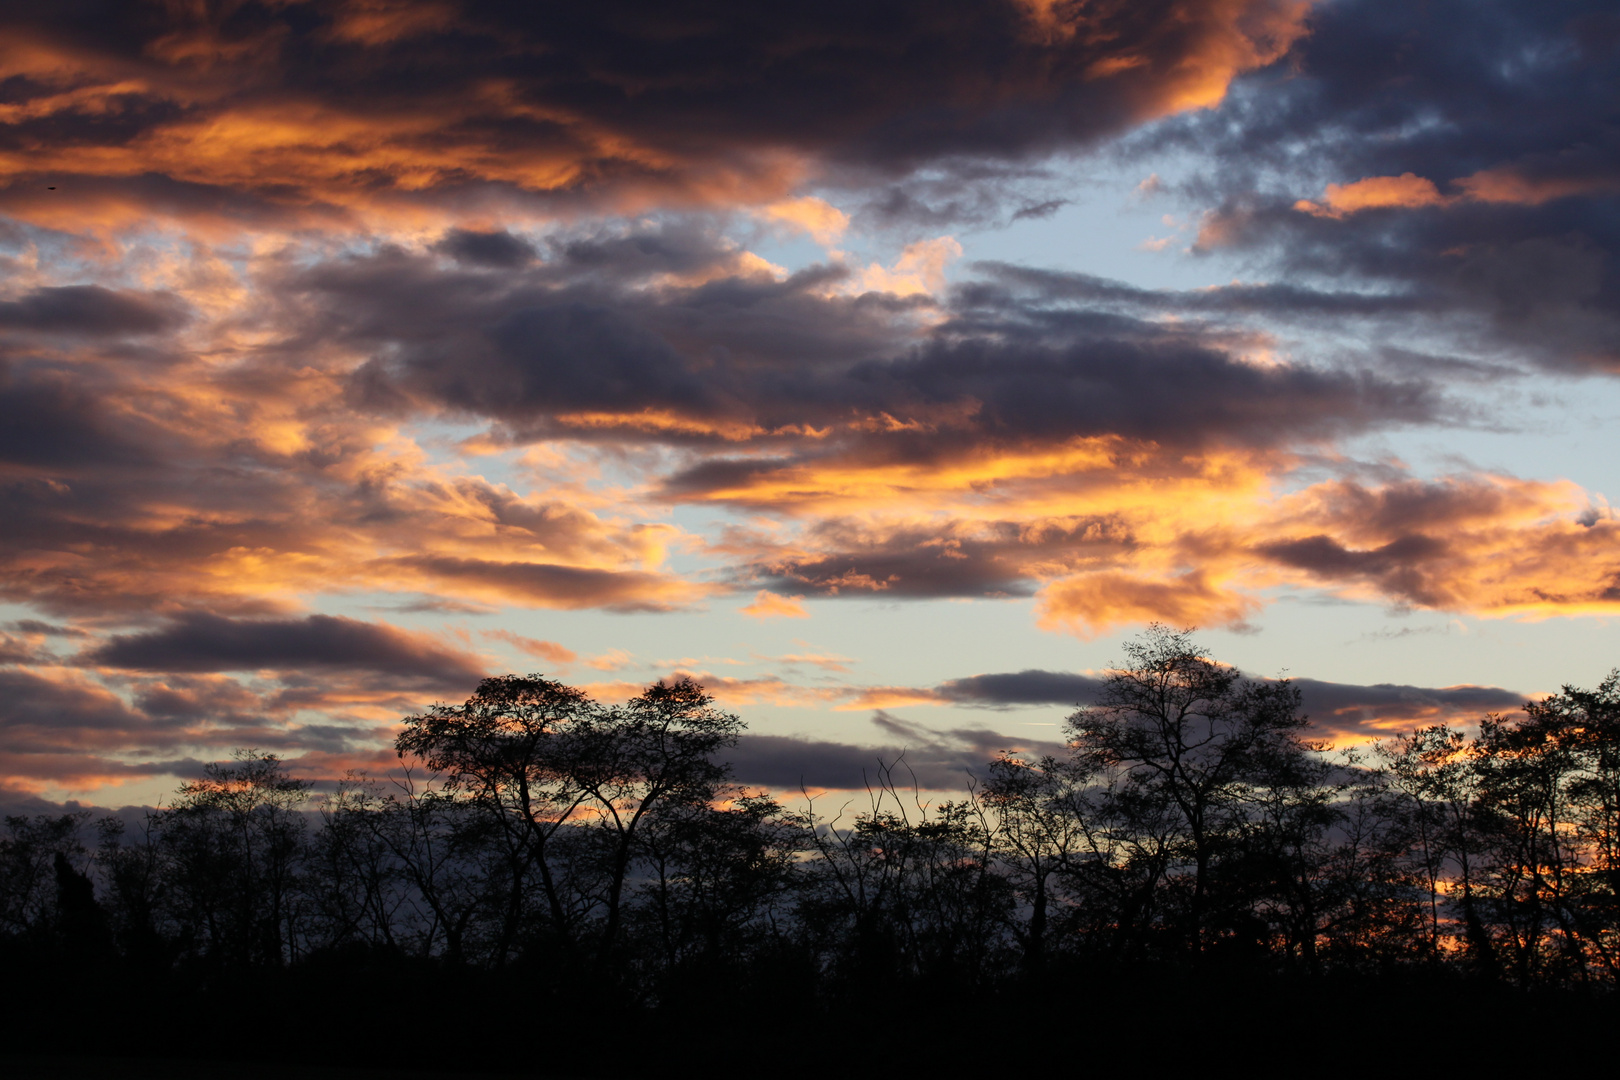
<point x="30" y="850"/>
<point x="511" y="751"/>
<point x="1039" y="832"/>
<point x="1434" y="770"/>
<point x="1191" y="736"/>
<point x="235" y="839"/>
<point x="563" y="778"/>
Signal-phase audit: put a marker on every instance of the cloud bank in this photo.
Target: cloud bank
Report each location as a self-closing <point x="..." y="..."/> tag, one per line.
<point x="315" y="309"/>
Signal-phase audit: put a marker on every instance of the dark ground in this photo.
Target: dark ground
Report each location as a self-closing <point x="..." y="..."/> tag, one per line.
<point x="421" y="1022"/>
<point x="73" y="1067"/>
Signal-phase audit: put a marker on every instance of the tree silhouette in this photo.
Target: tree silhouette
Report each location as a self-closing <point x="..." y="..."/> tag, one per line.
<point x="235" y="839"/>
<point x="595" y="864"/>
<point x="511" y="750"/>
<point x="1040" y="833"/>
<point x="1191" y="737"/>
<point x="567" y="783"/>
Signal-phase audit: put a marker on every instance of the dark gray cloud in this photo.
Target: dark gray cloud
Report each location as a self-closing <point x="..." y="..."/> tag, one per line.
<point x="1028" y="687"/>
<point x="66" y="728"/>
<point x="1078" y="373"/>
<point x="1398" y="567"/>
<point x="19" y="802"/>
<point x="1336" y="708"/>
<point x="991" y="558"/>
<point x="91" y="310"/>
<point x="43" y="715"/>
<point x="35" y="626"/>
<point x="972" y="193"/>
<point x="199" y="642"/>
<point x="1005" y="281"/>
<point x="558" y="586"/>
<point x="52" y="419"/>
<point x="197" y="699"/>
<point x="1344" y="705"/>
<point x="578" y="334"/>
<point x="937" y="760"/>
<point x="80" y="734"/>
<point x="785" y="763"/>
<point x="1505" y="110"/>
<point x="496" y="248"/>
<point x="17" y="651"/>
<point x="630" y="97"/>
<point x="944" y="759"/>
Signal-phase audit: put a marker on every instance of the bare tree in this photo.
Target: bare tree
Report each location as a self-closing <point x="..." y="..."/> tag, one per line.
<point x="1039" y="832"/>
<point x="1433" y="768"/>
<point x="1192" y="736"/>
<point x="657" y="750"/>
<point x="235" y="841"/>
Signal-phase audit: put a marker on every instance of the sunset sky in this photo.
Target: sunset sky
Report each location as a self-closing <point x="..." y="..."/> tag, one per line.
<point x="884" y="366"/>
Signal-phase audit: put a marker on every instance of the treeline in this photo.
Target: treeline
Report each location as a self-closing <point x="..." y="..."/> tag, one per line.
<point x="1193" y="827"/>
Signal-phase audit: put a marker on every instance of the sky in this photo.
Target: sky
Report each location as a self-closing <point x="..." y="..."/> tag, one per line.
<point x="886" y="367"/>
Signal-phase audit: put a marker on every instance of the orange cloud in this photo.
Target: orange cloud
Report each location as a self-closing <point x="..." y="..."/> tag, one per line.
<point x="1205" y="551"/>
<point x="325" y="500"/>
<point x="319" y="502"/>
<point x="542" y="650"/>
<point x="825" y="661"/>
<point x="1094" y="604"/>
<point x="824" y="222"/>
<point x="919" y="271"/>
<point x="1406" y="190"/>
<point x="1491" y="546"/>
<point x="731" y="691"/>
<point x="768" y="605"/>
<point x="1511" y="185"/>
<point x="612" y="660"/>
<point x="378" y="22"/>
<point x="891" y="697"/>
<point x="1233" y="36"/>
<point x="1254" y="37"/>
<point x="1506" y="184"/>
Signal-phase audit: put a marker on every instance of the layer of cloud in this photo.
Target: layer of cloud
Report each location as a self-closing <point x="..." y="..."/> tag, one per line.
<point x="77" y="730"/>
<point x="329" y="110"/>
<point x="907" y="753"/>
<point x="946" y="759"/>
<point x="747" y="388"/>
<point x="1339" y="711"/>
<point x="666" y="335"/>
<point x="1022" y="434"/>
<point x="224" y="474"/>
<point x="199" y="642"/>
